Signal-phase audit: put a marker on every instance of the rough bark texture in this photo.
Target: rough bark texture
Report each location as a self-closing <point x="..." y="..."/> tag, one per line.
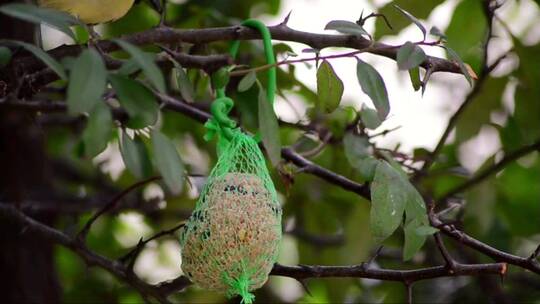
<point x="27" y="271"/>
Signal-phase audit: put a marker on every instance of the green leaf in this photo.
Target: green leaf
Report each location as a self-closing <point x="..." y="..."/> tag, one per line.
<point x="413" y="240"/>
<point x="525" y="118"/>
<point x="183" y="83"/>
<point x="31" y="13"/>
<point x="467" y="32"/>
<point x="269" y="128"/>
<point x="358" y="152"/>
<point x="138" y="101"/>
<point x="329" y="88"/>
<point x="5" y="56"/>
<point x="413" y="19"/>
<point x="478" y="113"/>
<point x="388" y="197"/>
<point x="149" y="67"/>
<point x="426" y="230"/>
<point x="346" y="27"/>
<point x="220" y="78"/>
<point x="373" y="85"/>
<point x="397" y="166"/>
<point x="369" y="117"/>
<point x="366" y="168"/>
<point x="356" y="148"/>
<point x="86" y="82"/>
<point x="98" y="130"/>
<point x="128" y="67"/>
<point x="455" y="57"/>
<point x="247" y="81"/>
<point x="410" y="56"/>
<point x="168" y="162"/>
<point x="414" y="75"/>
<point x="43" y="56"/>
<point x="419" y="8"/>
<point x="416" y="221"/>
<point x="392" y="195"/>
<point x="135" y="156"/>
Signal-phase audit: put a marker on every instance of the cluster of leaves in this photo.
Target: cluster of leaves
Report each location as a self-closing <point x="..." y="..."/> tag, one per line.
<point x="87" y="80"/>
<point x="392" y="195"/>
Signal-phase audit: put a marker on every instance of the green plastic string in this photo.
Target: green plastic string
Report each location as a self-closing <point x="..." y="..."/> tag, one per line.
<point x="220" y="124"/>
<point x="240" y="286"/>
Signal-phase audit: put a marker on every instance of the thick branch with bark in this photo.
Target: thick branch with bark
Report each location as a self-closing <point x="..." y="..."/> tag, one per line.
<point x="301" y="272"/>
<point x="281" y="32"/>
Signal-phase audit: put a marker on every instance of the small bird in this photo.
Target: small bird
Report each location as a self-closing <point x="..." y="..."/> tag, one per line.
<point x="91" y="11"/>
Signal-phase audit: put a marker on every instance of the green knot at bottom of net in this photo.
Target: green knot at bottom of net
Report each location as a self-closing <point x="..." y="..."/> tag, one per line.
<point x="239" y="286"/>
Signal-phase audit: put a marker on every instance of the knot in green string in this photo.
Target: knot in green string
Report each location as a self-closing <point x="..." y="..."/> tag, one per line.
<point x="220" y="124"/>
<point x="240" y="286"/>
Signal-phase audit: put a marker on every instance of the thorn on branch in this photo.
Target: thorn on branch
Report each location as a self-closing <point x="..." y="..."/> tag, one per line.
<point x="408" y="288"/>
<point x="535" y="254"/>
<point x="303" y="283"/>
<point x="365" y="265"/>
<point x="286" y="20"/>
<point x="362" y="20"/>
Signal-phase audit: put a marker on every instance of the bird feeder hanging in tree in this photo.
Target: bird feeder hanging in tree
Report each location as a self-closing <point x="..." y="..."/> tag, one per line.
<point x="231" y="241"/>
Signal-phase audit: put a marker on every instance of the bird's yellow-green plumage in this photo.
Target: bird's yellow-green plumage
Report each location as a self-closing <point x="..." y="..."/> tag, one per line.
<point x="91" y="11"/>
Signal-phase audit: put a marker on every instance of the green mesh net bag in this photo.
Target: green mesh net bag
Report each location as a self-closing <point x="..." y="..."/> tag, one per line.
<point x="231" y="241"/>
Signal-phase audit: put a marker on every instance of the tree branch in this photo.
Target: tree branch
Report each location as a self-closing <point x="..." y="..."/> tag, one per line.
<point x="281" y="32"/>
<point x="493" y="169"/>
<point x="494" y="253"/>
<point x="309" y="167"/>
<point x="360" y="271"/>
<point x="162" y="290"/>
<point x="90" y="258"/>
<point x="112" y="204"/>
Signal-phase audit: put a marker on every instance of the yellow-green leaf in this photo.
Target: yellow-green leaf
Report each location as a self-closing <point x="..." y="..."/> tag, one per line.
<point x="329" y="88"/>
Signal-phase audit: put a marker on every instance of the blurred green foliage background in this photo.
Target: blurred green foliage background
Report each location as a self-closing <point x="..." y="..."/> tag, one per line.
<point x="503" y="211"/>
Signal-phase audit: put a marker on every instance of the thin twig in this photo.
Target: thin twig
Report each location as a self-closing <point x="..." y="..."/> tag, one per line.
<point x="287" y="62"/>
<point x="385" y="132"/>
<point x="535" y="254"/>
<point x="111" y="205"/>
<point x="450" y="262"/>
<point x="492" y="169"/>
<point x="313" y="152"/>
<point x="130" y="255"/>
